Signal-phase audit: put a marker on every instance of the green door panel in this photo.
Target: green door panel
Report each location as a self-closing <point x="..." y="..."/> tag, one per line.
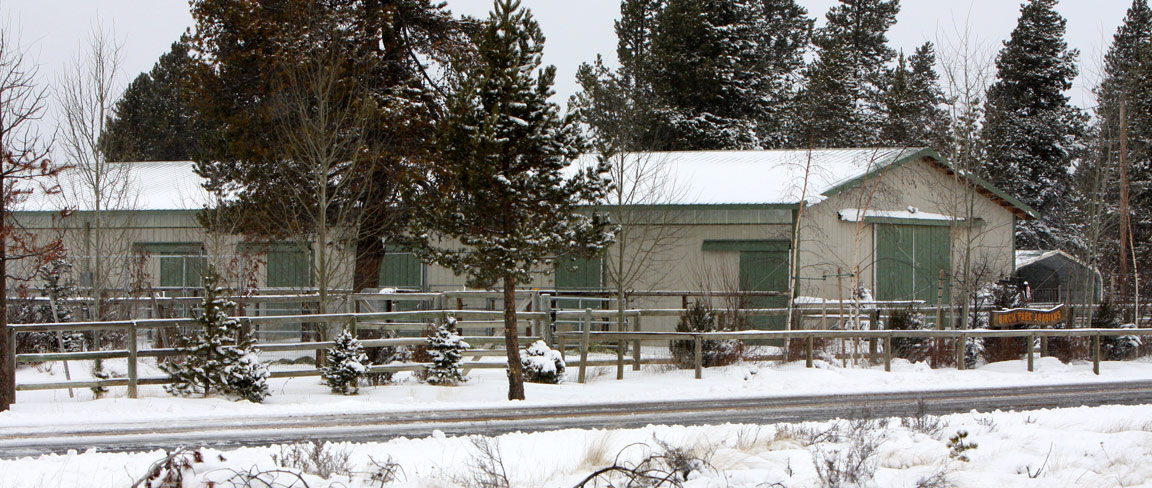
<point x="765" y="271"/>
<point x="579" y="274"/>
<point x="909" y="259"/>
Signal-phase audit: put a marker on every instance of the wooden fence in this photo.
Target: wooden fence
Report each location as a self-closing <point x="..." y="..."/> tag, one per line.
<point x="538" y="323"/>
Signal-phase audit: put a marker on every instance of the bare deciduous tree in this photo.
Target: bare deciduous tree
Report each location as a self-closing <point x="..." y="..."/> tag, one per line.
<point x="25" y="169"/>
<point x="86" y="95"/>
<point x="324" y="124"/>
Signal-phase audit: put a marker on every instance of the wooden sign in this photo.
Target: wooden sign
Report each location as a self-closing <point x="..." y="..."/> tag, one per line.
<point x="1028" y="316"/>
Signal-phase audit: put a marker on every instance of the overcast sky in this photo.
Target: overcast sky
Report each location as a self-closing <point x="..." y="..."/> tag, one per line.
<point x="577" y="30"/>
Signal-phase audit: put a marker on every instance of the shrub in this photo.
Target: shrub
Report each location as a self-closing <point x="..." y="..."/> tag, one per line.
<point x="542" y="364"/>
<point x="446" y="350"/>
<point x="386" y="355"/>
<point x="910" y="348"/>
<point x="218" y="357"/>
<point x="1120" y="347"/>
<point x="346" y="364"/>
<point x="701" y="318"/>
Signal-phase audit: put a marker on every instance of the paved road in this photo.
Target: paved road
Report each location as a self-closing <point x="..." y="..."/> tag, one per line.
<point x="375" y="427"/>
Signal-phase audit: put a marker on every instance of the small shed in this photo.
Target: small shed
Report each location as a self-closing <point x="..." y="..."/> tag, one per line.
<point x="1053" y="274"/>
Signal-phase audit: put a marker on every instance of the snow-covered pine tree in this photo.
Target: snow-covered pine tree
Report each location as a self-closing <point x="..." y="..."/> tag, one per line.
<point x="914" y="103"/>
<point x="446" y="349"/>
<point x="841" y="102"/>
<point x="500" y="190"/>
<point x="346" y="364"/>
<point x="1030" y="128"/>
<point x="1127" y="83"/>
<point x="217" y="357"/>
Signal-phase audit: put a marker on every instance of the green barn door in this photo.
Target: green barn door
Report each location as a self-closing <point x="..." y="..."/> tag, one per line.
<point x="579" y="274"/>
<point x="400" y="268"/>
<point x="765" y="271"/>
<point x="909" y="259"/>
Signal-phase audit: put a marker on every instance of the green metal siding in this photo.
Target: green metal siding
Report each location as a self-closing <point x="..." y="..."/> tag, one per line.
<point x="765" y="271"/>
<point x="579" y="274"/>
<point x="400" y="269"/>
<point x="909" y="259"/>
<point x="182" y="264"/>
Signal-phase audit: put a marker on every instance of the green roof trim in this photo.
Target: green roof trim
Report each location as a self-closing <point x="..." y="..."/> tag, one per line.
<point x="932" y="154"/>
<point x="736" y="245"/>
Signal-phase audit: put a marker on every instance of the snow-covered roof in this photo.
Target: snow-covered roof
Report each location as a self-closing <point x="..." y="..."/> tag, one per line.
<point x="1024" y="257"/>
<point x="762" y="177"/>
<point x="912" y="213"/>
<point x="163" y="185"/>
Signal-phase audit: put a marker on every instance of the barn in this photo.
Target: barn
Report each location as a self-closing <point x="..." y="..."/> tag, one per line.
<point x="905" y="224"/>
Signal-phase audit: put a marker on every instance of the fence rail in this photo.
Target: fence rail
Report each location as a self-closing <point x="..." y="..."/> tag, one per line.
<point x="540" y="324"/>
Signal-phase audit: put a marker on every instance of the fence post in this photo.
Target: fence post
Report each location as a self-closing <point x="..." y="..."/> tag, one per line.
<point x="808" y="352"/>
<point x="888" y="352"/>
<point x="11" y="378"/>
<point x="132" y="378"/>
<point x="699" y="359"/>
<point x="961" y="342"/>
<point x="1043" y="346"/>
<point x="1031" y="351"/>
<point x="1096" y="354"/>
<point x="546" y="322"/>
<point x="636" y="344"/>
<point x="584" y="341"/>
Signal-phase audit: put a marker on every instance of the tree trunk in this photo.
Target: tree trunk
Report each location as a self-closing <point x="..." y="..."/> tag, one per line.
<point x="7" y="374"/>
<point x="512" y="342"/>
<point x="369" y="254"/>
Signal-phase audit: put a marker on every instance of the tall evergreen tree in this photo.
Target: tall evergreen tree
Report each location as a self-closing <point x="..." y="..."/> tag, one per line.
<point x="500" y="192"/>
<point x="705" y="74"/>
<point x="1030" y="129"/>
<point x="914" y="103"/>
<point x="387" y="49"/>
<point x="1124" y="112"/>
<point x="155" y="120"/>
<point x="842" y="100"/>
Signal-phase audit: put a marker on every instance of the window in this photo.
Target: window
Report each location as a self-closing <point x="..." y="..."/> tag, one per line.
<point x="399" y="268"/>
<point x="181" y="264"/>
<point x="579" y="274"/>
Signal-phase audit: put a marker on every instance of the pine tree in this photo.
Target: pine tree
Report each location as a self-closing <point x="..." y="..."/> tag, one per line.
<point x="346" y="364"/>
<point x="499" y="187"/>
<point x="383" y="46"/>
<point x="1030" y="129"/>
<point x="155" y="120"/>
<point x="218" y="357"/>
<point x="1126" y="83"/>
<point x="913" y="103"/>
<point x="841" y="103"/>
<point x="446" y="349"/>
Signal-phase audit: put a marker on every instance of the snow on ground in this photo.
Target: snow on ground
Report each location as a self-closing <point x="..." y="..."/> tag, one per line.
<point x="1078" y="447"/>
<point x="1090" y="447"/>
<point x="488" y="389"/>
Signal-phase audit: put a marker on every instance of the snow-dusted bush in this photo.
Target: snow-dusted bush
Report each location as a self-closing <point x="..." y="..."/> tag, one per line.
<point x="217" y="357"/>
<point x="446" y="350"/>
<point x="346" y="364"/>
<point x="542" y="364"/>
<point x="385" y="355"/>
<point x="973" y="352"/>
<point x="1120" y="347"/>
<point x="701" y="318"/>
<point x="910" y="348"/>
